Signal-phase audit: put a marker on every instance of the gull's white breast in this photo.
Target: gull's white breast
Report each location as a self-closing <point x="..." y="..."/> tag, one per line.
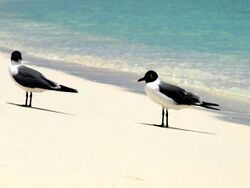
<point x="153" y="92"/>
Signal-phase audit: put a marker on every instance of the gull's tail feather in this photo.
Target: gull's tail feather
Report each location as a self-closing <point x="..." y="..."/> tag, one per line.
<point x="66" y="89"/>
<point x="56" y="87"/>
<point x="209" y="105"/>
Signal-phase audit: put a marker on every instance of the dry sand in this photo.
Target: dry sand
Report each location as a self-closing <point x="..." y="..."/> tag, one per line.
<point x="104" y="137"/>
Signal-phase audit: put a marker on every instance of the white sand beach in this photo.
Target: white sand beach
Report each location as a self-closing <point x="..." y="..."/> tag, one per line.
<point x="104" y="136"/>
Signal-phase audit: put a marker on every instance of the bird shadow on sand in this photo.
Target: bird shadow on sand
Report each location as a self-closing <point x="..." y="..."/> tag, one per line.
<point x="41" y="109"/>
<point x="178" y="129"/>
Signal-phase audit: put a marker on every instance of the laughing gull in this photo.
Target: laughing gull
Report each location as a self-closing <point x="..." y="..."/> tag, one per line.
<point x="170" y="96"/>
<point x="31" y="80"/>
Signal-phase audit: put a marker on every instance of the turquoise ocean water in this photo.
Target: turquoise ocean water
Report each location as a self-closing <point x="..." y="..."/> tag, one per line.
<point x="194" y="43"/>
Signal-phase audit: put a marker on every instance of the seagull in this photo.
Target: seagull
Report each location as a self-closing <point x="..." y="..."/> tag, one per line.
<point x="31" y="80"/>
<point x="170" y="96"/>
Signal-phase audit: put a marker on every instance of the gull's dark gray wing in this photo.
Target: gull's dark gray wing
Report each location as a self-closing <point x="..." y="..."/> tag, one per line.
<point x="31" y="78"/>
<point x="179" y="95"/>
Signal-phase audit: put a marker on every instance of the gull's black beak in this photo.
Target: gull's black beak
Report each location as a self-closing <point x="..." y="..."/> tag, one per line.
<point x="141" y="79"/>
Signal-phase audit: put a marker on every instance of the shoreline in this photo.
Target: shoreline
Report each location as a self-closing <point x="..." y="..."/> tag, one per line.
<point x="232" y="109"/>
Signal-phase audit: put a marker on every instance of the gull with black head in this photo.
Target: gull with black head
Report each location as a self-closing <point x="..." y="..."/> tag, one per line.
<point x="31" y="80"/>
<point x="170" y="96"/>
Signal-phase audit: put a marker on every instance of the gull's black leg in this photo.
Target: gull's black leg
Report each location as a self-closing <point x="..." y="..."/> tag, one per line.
<point x="26" y="100"/>
<point x="166" y="117"/>
<point x="162" y="120"/>
<point x="30" y="99"/>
